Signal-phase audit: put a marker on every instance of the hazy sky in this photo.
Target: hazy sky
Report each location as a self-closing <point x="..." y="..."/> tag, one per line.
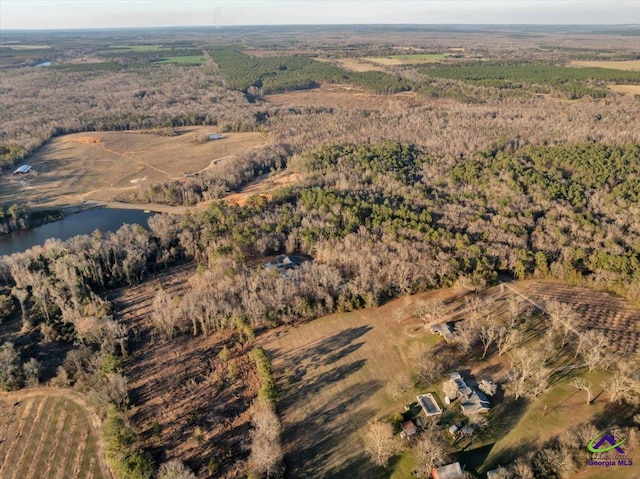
<point x="35" y="14"/>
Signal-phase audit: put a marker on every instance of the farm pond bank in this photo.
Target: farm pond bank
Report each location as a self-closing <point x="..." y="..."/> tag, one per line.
<point x="84" y="222"/>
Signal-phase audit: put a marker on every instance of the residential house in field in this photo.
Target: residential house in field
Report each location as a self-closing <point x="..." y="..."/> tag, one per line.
<point x="472" y="401"/>
<point x="450" y="471"/>
<point x="443" y="330"/>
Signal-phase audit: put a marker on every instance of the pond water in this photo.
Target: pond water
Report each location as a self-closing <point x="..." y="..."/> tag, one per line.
<point x="85" y="222"/>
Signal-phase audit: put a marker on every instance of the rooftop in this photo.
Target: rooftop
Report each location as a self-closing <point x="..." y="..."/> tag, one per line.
<point x="450" y="471"/>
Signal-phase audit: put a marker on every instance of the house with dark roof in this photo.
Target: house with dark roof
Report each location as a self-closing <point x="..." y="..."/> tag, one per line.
<point x="472" y="401"/>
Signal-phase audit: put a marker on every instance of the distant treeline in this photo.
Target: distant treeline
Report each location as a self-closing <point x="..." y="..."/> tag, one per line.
<point x="575" y="82"/>
<point x="279" y="74"/>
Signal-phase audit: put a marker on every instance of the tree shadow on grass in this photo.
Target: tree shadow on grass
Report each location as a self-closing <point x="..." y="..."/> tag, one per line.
<point x="316" y="439"/>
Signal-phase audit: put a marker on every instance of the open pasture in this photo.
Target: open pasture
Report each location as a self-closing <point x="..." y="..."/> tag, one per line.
<point x="632" y="89"/>
<point x="631" y="65"/>
<point x="47" y="436"/>
<point x="332" y="375"/>
<point x="356" y="64"/>
<point x="343" y="96"/>
<point x="101" y="165"/>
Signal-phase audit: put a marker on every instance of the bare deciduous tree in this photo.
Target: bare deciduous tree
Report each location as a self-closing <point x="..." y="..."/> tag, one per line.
<point x="507" y="339"/>
<point x="266" y="450"/>
<point x="380" y="443"/>
<point x="582" y="384"/>
<point x="175" y="470"/>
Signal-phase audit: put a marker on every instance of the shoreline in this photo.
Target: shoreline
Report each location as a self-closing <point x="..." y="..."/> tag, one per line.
<point x="54" y="213"/>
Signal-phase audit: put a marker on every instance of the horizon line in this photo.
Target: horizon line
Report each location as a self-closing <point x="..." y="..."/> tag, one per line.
<point x="627" y="25"/>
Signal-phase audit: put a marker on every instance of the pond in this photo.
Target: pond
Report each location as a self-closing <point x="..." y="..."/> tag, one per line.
<point x="85" y="222"/>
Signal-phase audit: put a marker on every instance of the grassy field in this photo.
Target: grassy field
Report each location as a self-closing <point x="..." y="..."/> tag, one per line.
<point x="333" y="377"/>
<point x="421" y="57"/>
<point x="101" y="165"/>
<point x="633" y="65"/>
<point x="47" y="436"/>
<point x="346" y="96"/>
<point x="187" y="60"/>
<point x="633" y="89"/>
<point x="139" y="48"/>
<point x="413" y="59"/>
<point x="354" y="64"/>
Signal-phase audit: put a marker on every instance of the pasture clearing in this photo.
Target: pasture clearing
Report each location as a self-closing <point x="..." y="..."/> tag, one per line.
<point x="186" y="60"/>
<point x="412" y="59"/>
<point x="264" y="53"/>
<point x="345" y="96"/>
<point x="631" y="65"/>
<point x="353" y="64"/>
<point x="331" y="375"/>
<point x="138" y="48"/>
<point x="632" y="89"/>
<point x="420" y="57"/>
<point x="25" y="47"/>
<point x="188" y="403"/>
<point x="101" y="165"/>
<point x="49" y="433"/>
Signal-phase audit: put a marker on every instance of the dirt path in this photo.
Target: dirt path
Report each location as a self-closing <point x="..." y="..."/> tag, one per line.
<point x="135" y="159"/>
<point x="92" y="417"/>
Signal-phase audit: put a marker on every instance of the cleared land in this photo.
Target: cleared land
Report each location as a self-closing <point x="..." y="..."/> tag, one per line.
<point x="605" y="312"/>
<point x="344" y="96"/>
<point x="188" y="404"/>
<point x="47" y="434"/>
<point x="632" y="65"/>
<point x="186" y="60"/>
<point x="406" y="59"/>
<point x="333" y="375"/>
<point x="633" y="89"/>
<point x="101" y="165"/>
<point x="353" y="64"/>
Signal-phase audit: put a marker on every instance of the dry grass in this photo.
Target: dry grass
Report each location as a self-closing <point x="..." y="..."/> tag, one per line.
<point x="354" y="64"/>
<point x="274" y="53"/>
<point x="632" y="89"/>
<point x="633" y="65"/>
<point x="262" y="186"/>
<point x="47" y="435"/>
<point x="77" y="167"/>
<point x="345" y="96"/>
<point x="331" y="376"/>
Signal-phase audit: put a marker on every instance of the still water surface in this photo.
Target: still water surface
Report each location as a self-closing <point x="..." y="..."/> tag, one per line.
<point x="83" y="223"/>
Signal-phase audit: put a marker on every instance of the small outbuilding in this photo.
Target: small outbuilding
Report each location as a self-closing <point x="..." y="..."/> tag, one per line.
<point x="22" y="170"/>
<point x="214" y="136"/>
<point x="450" y="471"/>
<point x="408" y="429"/>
